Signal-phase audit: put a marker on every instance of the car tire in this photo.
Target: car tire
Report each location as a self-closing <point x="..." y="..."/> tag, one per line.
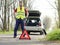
<point x="28" y="32"/>
<point x="41" y="32"/>
<point x="44" y="31"/>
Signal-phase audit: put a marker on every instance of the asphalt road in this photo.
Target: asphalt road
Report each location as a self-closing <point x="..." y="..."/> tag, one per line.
<point x="35" y="40"/>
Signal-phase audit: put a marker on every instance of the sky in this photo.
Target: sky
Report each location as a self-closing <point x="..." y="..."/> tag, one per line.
<point x="44" y="6"/>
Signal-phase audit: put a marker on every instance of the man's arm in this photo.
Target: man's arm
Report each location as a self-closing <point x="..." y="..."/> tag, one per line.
<point x="26" y="12"/>
<point x="15" y="10"/>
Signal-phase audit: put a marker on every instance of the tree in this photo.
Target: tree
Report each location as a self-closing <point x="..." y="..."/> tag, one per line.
<point x="25" y="3"/>
<point x="59" y="11"/>
<point x="4" y="22"/>
<point x="30" y="3"/>
<point x="46" y="22"/>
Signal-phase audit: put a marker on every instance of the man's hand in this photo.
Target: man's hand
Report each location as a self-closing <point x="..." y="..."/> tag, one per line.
<point x="15" y="10"/>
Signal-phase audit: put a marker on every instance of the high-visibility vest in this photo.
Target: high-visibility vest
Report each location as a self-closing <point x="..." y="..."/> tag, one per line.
<point x="20" y="13"/>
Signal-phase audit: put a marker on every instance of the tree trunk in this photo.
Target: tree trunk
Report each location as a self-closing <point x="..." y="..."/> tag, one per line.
<point x="25" y="3"/>
<point x="59" y="11"/>
<point x="8" y="20"/>
<point x="4" y="22"/>
<point x="8" y="14"/>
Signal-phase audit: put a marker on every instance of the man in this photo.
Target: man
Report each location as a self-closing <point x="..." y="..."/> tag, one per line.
<point x="20" y="16"/>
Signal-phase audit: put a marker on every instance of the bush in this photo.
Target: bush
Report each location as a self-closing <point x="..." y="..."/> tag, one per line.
<point x="54" y="35"/>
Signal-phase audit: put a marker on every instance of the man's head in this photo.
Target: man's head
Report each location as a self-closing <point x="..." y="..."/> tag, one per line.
<point x="20" y="4"/>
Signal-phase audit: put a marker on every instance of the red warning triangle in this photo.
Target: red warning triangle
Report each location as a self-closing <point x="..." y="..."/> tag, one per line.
<point x="25" y="35"/>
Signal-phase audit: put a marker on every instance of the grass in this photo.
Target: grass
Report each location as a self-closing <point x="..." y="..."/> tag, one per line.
<point x="54" y="35"/>
<point x="9" y="32"/>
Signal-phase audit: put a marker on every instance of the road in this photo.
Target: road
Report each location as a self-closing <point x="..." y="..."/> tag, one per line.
<point x="35" y="40"/>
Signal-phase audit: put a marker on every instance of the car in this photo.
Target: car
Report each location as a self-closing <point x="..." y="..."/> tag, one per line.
<point x="33" y="22"/>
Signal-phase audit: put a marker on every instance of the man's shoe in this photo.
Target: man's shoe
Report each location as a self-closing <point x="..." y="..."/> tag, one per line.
<point x="14" y="37"/>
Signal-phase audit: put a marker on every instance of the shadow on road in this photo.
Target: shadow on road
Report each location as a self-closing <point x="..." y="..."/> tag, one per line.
<point x="34" y="34"/>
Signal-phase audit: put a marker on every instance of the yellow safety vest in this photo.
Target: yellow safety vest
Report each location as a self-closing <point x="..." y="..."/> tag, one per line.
<point x="20" y="13"/>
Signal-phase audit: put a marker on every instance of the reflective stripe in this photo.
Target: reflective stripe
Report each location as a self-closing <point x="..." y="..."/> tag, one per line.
<point x="20" y="13"/>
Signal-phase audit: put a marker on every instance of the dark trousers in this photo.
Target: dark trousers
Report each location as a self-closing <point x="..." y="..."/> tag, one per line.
<point x="18" y="22"/>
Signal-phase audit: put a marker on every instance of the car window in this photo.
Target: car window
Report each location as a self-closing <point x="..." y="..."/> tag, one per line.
<point x="33" y="20"/>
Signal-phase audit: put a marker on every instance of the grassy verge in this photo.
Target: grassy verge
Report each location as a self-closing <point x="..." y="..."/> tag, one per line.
<point x="54" y="35"/>
<point x="9" y="32"/>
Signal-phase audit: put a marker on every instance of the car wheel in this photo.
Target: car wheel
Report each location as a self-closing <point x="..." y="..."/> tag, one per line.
<point x="44" y="31"/>
<point x="41" y="32"/>
<point x="28" y="32"/>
